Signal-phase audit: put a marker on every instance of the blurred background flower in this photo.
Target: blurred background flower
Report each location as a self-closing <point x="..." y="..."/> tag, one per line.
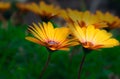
<point x="45" y="11"/>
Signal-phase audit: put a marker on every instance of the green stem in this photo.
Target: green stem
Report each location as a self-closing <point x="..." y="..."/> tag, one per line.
<point x="81" y="65"/>
<point x="45" y="67"/>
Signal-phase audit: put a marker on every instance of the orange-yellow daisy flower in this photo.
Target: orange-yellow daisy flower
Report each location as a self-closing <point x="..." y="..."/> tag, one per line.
<point x="44" y="10"/>
<point x="93" y="38"/>
<point x="111" y="20"/>
<point x="52" y="38"/>
<point x="4" y="6"/>
<point x="83" y="18"/>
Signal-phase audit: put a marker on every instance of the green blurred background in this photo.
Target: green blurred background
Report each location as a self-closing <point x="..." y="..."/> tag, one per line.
<point x="21" y="59"/>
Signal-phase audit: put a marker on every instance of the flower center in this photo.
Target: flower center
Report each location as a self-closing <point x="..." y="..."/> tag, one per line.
<point x="90" y="45"/>
<point x="52" y="42"/>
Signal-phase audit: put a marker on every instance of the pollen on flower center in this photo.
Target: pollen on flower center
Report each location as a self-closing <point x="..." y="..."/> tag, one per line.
<point x="88" y="44"/>
<point x="52" y="42"/>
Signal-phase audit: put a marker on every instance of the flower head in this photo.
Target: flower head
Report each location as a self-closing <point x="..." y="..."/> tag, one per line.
<point x="52" y="38"/>
<point x="44" y="10"/>
<point x="22" y="6"/>
<point x="93" y="38"/>
<point x="4" y="6"/>
<point x="82" y="18"/>
<point x="66" y="14"/>
<point x="111" y="20"/>
<point x="86" y="19"/>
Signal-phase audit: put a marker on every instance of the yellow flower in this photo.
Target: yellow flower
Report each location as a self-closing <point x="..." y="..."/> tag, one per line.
<point x="68" y="14"/>
<point x="52" y="38"/>
<point x="44" y="10"/>
<point x="93" y="38"/>
<point x="4" y="6"/>
<point x="111" y="20"/>
<point x="82" y="18"/>
<point x="22" y="6"/>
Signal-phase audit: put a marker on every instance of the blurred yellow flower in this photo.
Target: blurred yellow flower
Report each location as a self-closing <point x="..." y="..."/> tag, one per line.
<point x="82" y="18"/>
<point x="52" y="38"/>
<point x="93" y="38"/>
<point x="111" y="20"/>
<point x="44" y="10"/>
<point x="66" y="13"/>
<point x="4" y="6"/>
<point x="22" y="6"/>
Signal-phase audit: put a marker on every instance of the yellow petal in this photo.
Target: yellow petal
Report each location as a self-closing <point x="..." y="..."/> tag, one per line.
<point x="90" y="33"/>
<point x="50" y="31"/>
<point x="32" y="39"/>
<point x="101" y="36"/>
<point x="36" y="31"/>
<point x="78" y="32"/>
<point x="61" y="34"/>
<point x="110" y="43"/>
